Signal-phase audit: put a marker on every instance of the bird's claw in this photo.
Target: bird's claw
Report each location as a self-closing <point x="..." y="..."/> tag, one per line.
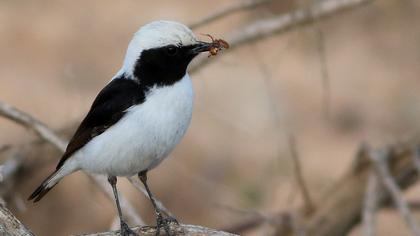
<point x="172" y="220"/>
<point x="126" y="231"/>
<point x="164" y="222"/>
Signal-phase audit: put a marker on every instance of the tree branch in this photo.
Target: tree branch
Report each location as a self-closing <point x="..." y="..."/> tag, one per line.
<point x="307" y="200"/>
<point x="31" y="123"/>
<point x="370" y="205"/>
<point x="10" y="225"/>
<point x="267" y="27"/>
<point x="188" y="230"/>
<point x="217" y="15"/>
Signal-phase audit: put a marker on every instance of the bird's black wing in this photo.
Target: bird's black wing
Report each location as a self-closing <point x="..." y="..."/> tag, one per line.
<point x="107" y="109"/>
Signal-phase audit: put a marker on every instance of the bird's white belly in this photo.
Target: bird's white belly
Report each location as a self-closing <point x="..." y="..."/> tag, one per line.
<point x="144" y="136"/>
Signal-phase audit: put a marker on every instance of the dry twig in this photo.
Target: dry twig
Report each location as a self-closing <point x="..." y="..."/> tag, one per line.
<point x="29" y="122"/>
<point x="342" y="204"/>
<point x="380" y="158"/>
<point x="278" y="24"/>
<point x="307" y="200"/>
<point x="217" y="15"/>
<point x="370" y="205"/>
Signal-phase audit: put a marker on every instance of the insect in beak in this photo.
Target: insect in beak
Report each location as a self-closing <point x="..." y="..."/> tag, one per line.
<point x="212" y="47"/>
<point x="217" y="45"/>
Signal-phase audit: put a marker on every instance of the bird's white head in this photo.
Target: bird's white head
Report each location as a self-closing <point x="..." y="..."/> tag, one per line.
<point x="161" y="50"/>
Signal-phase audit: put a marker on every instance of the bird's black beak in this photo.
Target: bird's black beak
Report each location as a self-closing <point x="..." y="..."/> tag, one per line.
<point x="201" y="47"/>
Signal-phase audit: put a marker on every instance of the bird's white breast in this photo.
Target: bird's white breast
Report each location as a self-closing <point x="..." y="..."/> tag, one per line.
<point x="144" y="136"/>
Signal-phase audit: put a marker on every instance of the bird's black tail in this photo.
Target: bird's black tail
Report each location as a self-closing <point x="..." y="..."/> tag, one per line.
<point x="45" y="187"/>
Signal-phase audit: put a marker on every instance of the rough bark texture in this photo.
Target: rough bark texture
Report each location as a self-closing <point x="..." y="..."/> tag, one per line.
<point x="10" y="226"/>
<point x="190" y="230"/>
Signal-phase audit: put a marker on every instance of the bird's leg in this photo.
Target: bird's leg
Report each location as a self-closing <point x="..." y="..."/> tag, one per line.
<point x="160" y="220"/>
<point x="125" y="230"/>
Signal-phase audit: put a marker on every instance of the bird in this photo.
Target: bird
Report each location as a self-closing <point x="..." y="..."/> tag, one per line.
<point x="139" y="117"/>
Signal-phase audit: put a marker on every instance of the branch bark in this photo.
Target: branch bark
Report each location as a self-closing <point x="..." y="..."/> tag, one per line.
<point x="31" y="123"/>
<point x="10" y="225"/>
<point x="188" y="230"/>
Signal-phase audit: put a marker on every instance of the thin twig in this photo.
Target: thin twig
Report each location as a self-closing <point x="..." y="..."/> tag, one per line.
<point x="51" y="137"/>
<point x="370" y="205"/>
<point x="250" y="213"/>
<point x="254" y="220"/>
<point x="379" y="159"/>
<point x="217" y="15"/>
<point x="320" y="43"/>
<point x="29" y="122"/>
<point x="308" y="203"/>
<point x="267" y="27"/>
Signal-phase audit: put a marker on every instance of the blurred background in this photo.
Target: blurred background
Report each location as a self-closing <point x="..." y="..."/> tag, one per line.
<point x="349" y="78"/>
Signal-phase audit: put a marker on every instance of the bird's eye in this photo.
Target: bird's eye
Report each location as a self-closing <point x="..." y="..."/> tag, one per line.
<point x="172" y="50"/>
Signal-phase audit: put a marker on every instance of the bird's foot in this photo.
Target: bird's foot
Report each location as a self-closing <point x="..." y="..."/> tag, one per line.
<point x="126" y="231"/>
<point x="165" y="223"/>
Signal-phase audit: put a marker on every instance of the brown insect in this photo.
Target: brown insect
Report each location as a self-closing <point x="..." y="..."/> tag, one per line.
<point x="218" y="44"/>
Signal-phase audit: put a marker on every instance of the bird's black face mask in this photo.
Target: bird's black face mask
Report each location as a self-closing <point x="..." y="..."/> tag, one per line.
<point x="166" y="65"/>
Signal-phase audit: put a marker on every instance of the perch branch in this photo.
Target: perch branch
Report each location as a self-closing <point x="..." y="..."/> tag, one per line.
<point x="10" y="225"/>
<point x="217" y="15"/>
<point x="282" y="23"/>
<point x="188" y="230"/>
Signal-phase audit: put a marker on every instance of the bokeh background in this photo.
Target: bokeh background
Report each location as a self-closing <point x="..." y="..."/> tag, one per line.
<point x="235" y="159"/>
